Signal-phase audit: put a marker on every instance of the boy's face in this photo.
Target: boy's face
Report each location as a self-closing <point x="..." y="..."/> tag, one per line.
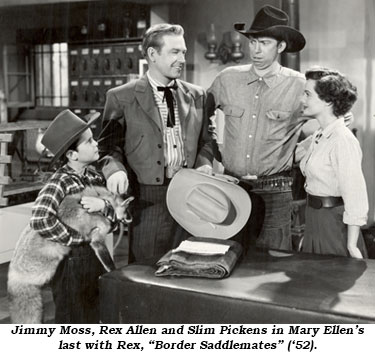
<point x="87" y="148"/>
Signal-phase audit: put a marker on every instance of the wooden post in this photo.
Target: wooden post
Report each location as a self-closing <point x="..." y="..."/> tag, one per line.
<point x="291" y="7"/>
<point x="4" y="139"/>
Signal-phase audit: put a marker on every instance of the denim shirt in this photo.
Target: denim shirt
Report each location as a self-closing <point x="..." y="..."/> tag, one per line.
<point x="262" y="118"/>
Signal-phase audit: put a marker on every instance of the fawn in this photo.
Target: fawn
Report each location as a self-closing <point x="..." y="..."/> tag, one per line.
<point x="35" y="258"/>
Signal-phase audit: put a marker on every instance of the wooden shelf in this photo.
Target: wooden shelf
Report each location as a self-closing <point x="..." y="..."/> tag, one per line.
<point x="24" y="125"/>
<point x="106" y="40"/>
<point x="21" y="188"/>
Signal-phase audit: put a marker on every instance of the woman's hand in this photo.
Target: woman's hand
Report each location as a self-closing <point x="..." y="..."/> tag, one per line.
<point x="354" y="252"/>
<point x="93" y="204"/>
<point x="353" y="233"/>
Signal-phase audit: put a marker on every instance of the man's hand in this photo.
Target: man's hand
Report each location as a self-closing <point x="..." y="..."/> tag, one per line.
<point x="93" y="235"/>
<point x="205" y="169"/>
<point x="302" y="148"/>
<point x="118" y="183"/>
<point x="93" y="204"/>
<point x="249" y="177"/>
<point x="348" y="118"/>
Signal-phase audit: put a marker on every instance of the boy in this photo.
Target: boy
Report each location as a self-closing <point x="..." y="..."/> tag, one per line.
<point x="75" y="284"/>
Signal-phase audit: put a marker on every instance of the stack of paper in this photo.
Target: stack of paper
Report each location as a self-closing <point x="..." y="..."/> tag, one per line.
<point x="202" y="248"/>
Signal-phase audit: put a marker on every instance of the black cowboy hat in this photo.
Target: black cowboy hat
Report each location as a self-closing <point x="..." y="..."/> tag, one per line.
<point x="273" y="22"/>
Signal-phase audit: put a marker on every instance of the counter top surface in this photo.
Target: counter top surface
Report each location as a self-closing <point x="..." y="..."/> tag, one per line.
<point x="317" y="283"/>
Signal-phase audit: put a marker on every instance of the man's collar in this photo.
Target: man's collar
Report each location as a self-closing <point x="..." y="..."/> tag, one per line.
<point x="155" y="83"/>
<point x="271" y="78"/>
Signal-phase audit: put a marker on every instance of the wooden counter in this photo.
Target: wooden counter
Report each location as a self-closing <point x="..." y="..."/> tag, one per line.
<point x="264" y="288"/>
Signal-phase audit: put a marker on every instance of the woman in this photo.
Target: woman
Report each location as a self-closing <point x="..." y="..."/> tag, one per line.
<point x="337" y="202"/>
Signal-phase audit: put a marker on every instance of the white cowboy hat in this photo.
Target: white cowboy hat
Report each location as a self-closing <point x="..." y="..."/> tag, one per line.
<point x="208" y="206"/>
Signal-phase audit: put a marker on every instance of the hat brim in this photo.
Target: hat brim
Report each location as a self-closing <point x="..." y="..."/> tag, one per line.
<point x="294" y="39"/>
<point x="179" y="189"/>
<point x="93" y="118"/>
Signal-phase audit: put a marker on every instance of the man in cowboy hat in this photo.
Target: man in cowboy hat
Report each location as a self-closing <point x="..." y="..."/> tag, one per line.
<point x="153" y="127"/>
<point x="262" y="125"/>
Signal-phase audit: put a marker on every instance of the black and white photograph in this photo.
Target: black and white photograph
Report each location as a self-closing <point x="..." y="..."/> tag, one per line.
<point x="200" y="171"/>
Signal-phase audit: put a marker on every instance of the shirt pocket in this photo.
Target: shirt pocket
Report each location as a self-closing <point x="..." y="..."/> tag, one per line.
<point x="277" y="123"/>
<point x="234" y="111"/>
<point x="233" y="125"/>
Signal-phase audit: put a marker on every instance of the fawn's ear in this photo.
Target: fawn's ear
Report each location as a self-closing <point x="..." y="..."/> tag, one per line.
<point x="127" y="201"/>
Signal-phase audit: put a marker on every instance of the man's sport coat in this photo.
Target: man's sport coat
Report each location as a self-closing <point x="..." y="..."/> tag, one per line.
<point x="132" y="131"/>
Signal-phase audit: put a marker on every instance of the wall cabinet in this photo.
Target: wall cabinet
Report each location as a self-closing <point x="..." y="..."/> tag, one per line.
<point x="95" y="68"/>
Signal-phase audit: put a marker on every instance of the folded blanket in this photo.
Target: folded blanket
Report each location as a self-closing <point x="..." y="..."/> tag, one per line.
<point x="181" y="263"/>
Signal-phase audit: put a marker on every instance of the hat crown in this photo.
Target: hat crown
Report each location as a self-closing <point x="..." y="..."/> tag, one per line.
<point x="209" y="203"/>
<point x="207" y="206"/>
<point x="273" y="22"/>
<point x="63" y="128"/>
<point x="269" y="16"/>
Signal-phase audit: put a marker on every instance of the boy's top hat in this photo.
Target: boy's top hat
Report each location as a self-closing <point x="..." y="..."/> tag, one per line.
<point x="273" y="22"/>
<point x="64" y="130"/>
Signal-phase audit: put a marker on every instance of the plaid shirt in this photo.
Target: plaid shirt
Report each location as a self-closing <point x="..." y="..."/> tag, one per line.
<point x="64" y="181"/>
